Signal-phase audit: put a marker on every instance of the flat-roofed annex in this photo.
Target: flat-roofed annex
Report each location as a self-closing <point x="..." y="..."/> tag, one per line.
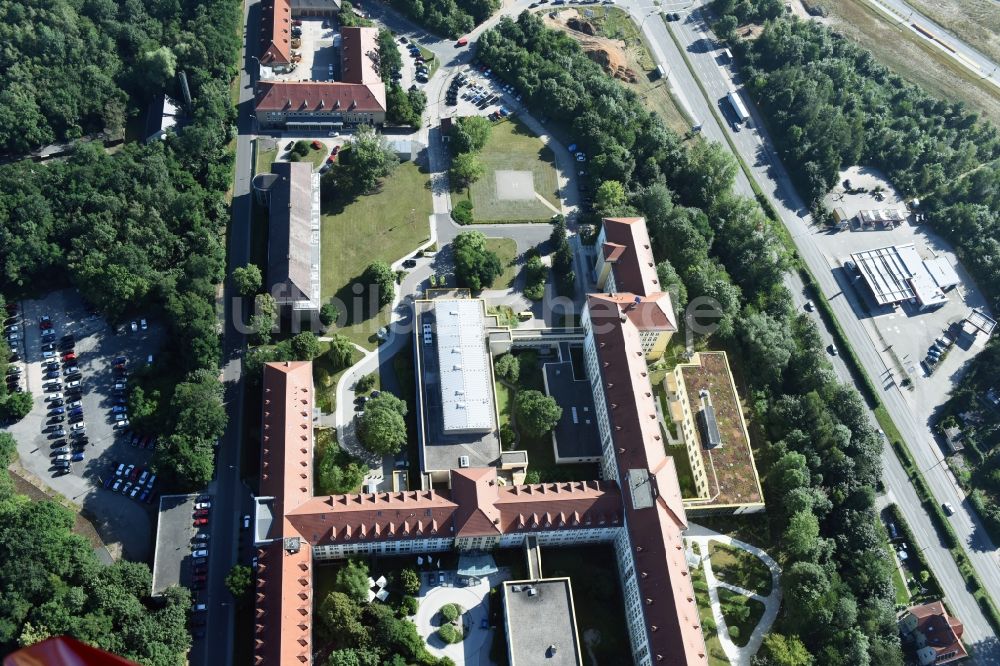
<point x="466" y="397"/>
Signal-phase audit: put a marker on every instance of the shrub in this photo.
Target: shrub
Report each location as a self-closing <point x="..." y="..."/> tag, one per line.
<point x="449" y="634"/>
<point x="409" y="605"/>
<point x="462" y="212"/>
<point x="450" y="612"/>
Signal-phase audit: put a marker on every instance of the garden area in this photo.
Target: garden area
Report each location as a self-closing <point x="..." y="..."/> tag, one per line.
<point x="327" y="370"/>
<point x="513" y="148"/>
<point x="741" y="614"/>
<point x="523" y="373"/>
<point x="716" y="655"/>
<point x="739" y="567"/>
<point x="350" y="629"/>
<point x="382" y="226"/>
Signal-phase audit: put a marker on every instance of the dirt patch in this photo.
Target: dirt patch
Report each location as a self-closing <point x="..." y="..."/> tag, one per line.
<point x="608" y="53"/>
<point x="37" y="491"/>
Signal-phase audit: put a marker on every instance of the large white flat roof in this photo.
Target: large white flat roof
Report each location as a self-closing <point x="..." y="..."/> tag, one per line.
<point x="464" y="365"/>
<point x="897" y="273"/>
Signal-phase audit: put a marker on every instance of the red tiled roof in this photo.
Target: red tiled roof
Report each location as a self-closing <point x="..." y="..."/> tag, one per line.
<point x="275" y="32"/>
<point x="648" y="313"/>
<point x="358" y="54"/>
<point x="475" y="491"/>
<point x="303" y="96"/>
<point x="476" y="505"/>
<point x="287" y="433"/>
<point x="283" y="601"/>
<point x="634" y="266"/>
<point x="364" y="517"/>
<point x="565" y="504"/>
<point x="612" y="251"/>
<point x="942" y="633"/>
<point x="671" y="616"/>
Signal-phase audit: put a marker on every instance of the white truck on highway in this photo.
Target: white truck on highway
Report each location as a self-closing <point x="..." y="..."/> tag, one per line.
<point x="738" y="108"/>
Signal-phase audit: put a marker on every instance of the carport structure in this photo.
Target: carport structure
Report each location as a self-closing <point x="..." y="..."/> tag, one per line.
<point x="897" y="273"/>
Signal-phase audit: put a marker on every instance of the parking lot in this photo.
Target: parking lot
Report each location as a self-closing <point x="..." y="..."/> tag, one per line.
<point x="179" y="542"/>
<point x="477" y="93"/>
<point x="903" y="332"/>
<point x="318" y="50"/>
<point x="124" y="523"/>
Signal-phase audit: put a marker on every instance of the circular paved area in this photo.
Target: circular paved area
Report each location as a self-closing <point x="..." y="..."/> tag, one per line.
<point x="473" y="600"/>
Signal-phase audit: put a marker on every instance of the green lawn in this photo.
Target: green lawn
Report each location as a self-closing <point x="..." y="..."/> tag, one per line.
<point x="503" y="403"/>
<point x="265" y="158"/>
<point x="326" y="378"/>
<point x="382" y="226"/>
<point x="741" y="614"/>
<point x="512" y="147"/>
<point x="738" y="567"/>
<point x="716" y="655"/>
<point x="506" y="250"/>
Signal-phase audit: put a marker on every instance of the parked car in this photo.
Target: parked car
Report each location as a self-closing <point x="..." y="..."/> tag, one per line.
<point x="246" y="521"/>
<point x="201" y="513"/>
<point x="128" y="471"/>
<point x="203" y="505"/>
<point x="135" y="491"/>
<point x="78" y="456"/>
<point x="78" y="426"/>
<point x="124" y="423"/>
<point x="116" y="486"/>
<point x="199" y="522"/>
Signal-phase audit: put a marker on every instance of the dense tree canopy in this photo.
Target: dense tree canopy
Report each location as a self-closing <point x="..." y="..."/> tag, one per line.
<point x="475" y="266"/>
<point x="450" y="18"/>
<point x="53" y="584"/>
<point x="382" y="427"/>
<point x="91" y="64"/>
<point x="536" y="412"/>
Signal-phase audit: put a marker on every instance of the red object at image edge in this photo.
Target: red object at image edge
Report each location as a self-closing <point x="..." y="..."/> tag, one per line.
<point x="63" y="651"/>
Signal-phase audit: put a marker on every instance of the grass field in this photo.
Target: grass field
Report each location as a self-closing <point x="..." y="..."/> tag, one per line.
<point x="512" y="147"/>
<point x="912" y="57"/>
<point x="738" y="567"/>
<point x="265" y="158"/>
<point x="506" y="249"/>
<point x="382" y="226"/>
<point x="977" y="22"/>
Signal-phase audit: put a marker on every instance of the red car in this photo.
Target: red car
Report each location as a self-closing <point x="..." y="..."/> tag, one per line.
<point x="336" y="149"/>
<point x="331" y="159"/>
<point x="316" y="145"/>
<point x="135" y="473"/>
<point x="201" y="513"/>
<point x="199" y="522"/>
<point x="69" y="356"/>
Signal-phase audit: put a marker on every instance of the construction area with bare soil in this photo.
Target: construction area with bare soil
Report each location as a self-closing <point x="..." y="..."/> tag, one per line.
<point x="611" y="39"/>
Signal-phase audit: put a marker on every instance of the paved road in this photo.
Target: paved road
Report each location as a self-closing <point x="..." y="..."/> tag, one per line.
<point x="968" y="57"/>
<point x="756" y="149"/>
<point x="230" y="496"/>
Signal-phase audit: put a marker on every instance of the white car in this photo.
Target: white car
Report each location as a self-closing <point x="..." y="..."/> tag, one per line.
<point x="201" y="552"/>
<point x="246" y="521"/>
<point x="55" y="396"/>
<point x="142" y="324"/>
<point x="73" y="384"/>
<point x="75" y="403"/>
<point x="202" y="505"/>
<point x="118" y="425"/>
<point x="78" y="426"/>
